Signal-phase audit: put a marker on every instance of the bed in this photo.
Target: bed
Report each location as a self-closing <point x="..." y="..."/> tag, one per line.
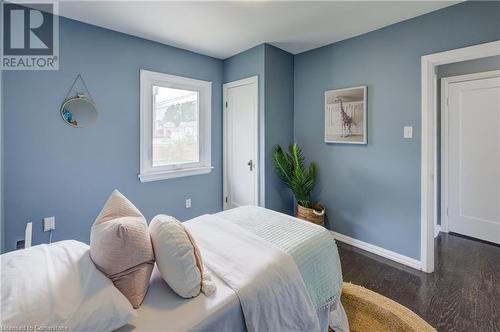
<point x="311" y="247"/>
<point x="272" y="272"/>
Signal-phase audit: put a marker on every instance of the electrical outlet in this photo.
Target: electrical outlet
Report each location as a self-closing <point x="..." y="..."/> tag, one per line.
<point x="49" y="223"/>
<point x="188" y="203"/>
<point x="19" y="244"/>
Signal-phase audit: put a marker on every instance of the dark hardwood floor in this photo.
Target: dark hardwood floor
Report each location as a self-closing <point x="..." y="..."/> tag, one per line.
<point x="463" y="294"/>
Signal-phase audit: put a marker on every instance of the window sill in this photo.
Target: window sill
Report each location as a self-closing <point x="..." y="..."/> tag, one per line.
<point x="164" y="175"/>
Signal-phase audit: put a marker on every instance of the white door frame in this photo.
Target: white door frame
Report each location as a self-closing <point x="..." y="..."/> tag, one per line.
<point x="225" y="87"/>
<point x="445" y="83"/>
<point x="428" y="184"/>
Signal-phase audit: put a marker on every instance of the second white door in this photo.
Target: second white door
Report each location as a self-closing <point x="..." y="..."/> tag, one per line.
<point x="474" y="158"/>
<point x="241" y="176"/>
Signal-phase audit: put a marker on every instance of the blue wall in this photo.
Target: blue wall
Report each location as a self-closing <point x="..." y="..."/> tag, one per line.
<point x="54" y="169"/>
<point x="279" y="122"/>
<point x="372" y="192"/>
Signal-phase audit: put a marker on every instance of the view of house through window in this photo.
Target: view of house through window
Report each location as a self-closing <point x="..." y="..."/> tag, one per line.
<point x="175" y="126"/>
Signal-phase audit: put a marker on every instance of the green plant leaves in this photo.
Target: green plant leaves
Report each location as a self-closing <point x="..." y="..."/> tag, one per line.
<point x="292" y="171"/>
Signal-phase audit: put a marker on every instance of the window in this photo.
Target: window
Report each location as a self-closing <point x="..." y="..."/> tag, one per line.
<point x="175" y="126"/>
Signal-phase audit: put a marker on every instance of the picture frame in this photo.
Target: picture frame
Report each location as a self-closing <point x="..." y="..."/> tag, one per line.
<point x="346" y="115"/>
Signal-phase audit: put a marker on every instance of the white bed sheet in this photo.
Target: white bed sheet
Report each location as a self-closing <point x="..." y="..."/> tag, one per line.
<point x="163" y="310"/>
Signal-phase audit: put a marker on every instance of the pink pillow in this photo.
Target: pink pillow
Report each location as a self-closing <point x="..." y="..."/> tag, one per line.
<point x="121" y="248"/>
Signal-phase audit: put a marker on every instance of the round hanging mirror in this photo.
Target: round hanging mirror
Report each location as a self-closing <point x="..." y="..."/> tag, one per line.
<point x="79" y="111"/>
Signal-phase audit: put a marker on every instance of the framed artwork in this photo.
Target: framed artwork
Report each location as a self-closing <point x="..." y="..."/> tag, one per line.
<point x="345" y="116"/>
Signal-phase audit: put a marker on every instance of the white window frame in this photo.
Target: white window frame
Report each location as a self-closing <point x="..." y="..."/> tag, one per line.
<point x="203" y="166"/>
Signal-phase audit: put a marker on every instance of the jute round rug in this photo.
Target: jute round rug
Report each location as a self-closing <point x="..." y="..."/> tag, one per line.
<point x="370" y="311"/>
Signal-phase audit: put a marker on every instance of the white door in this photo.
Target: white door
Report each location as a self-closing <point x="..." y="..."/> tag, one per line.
<point x="241" y="179"/>
<point x="474" y="158"/>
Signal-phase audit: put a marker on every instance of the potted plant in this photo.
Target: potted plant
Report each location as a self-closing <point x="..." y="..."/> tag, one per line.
<point x="301" y="180"/>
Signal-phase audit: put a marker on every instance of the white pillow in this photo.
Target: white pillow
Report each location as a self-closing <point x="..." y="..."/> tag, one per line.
<point x="58" y="286"/>
<point x="178" y="258"/>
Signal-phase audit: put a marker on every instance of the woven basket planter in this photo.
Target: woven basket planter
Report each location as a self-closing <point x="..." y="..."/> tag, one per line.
<point x="316" y="215"/>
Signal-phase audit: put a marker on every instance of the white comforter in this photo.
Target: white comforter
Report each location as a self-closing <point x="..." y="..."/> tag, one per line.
<point x="267" y="281"/>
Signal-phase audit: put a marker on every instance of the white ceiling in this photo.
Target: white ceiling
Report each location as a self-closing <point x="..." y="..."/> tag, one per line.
<point x="223" y="29"/>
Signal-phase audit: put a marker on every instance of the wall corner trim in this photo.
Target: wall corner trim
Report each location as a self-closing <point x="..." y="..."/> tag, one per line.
<point x="398" y="258"/>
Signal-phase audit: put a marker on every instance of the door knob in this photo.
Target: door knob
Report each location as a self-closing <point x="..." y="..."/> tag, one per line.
<point x="250" y="164"/>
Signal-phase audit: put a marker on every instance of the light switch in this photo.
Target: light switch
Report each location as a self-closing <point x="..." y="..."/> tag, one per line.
<point x="408" y="132"/>
<point x="188" y="203"/>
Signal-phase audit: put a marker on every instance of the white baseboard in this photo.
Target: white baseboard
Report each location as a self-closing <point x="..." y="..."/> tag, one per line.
<point x="402" y="259"/>
<point x="437" y="229"/>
